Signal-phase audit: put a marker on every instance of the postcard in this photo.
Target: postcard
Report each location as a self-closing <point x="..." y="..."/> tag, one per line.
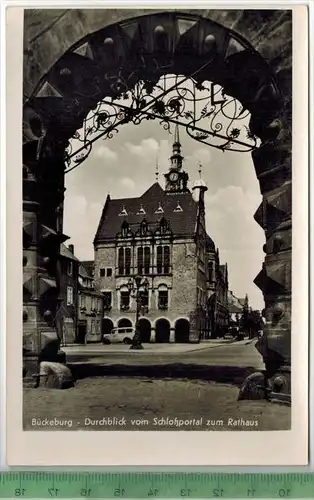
<point x="160" y="218"/>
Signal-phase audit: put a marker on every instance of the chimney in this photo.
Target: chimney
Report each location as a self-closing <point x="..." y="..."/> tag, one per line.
<point x="71" y="248"/>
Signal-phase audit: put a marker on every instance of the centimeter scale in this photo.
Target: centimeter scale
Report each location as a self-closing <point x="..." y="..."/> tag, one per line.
<point x="155" y="485"/>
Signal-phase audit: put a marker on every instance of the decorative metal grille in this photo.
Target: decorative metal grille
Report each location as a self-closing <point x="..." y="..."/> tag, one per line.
<point x="209" y="116"/>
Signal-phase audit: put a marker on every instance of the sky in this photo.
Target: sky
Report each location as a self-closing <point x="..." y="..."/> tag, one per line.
<point x="125" y="166"/>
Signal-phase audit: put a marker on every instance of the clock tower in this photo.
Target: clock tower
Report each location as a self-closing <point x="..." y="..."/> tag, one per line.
<point x="176" y="178"/>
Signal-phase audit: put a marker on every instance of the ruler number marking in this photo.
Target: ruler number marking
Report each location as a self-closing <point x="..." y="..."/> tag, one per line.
<point x="283" y="492"/>
<point x="185" y="492"/>
<point x="19" y="492"/>
<point x="53" y="492"/>
<point x="85" y="492"/>
<point x="119" y="492"/>
<point x="217" y="492"/>
<point x="152" y="492"/>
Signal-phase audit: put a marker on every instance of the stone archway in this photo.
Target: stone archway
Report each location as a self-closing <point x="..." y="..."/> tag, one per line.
<point x="106" y="326"/>
<point x="162" y="328"/>
<point x="101" y="64"/>
<point x="182" y="330"/>
<point x="125" y="323"/>
<point x="145" y="329"/>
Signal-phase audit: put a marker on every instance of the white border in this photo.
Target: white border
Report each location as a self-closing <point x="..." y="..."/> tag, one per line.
<point x="83" y="448"/>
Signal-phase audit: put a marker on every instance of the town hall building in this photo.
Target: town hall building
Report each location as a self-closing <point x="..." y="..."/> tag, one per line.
<point x="160" y="236"/>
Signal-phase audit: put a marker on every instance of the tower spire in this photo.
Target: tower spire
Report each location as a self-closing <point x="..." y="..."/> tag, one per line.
<point x="176" y="158"/>
<point x="176" y="136"/>
<point x="176" y="178"/>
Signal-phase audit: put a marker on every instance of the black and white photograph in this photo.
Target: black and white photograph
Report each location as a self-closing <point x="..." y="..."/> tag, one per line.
<point x="157" y="221"/>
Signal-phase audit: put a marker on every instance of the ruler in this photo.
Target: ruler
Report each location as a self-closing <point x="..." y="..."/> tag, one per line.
<point x="154" y="485"/>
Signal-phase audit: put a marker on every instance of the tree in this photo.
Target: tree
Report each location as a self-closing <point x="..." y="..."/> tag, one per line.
<point x="255" y="322"/>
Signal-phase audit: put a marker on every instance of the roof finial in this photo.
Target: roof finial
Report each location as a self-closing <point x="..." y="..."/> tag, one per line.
<point x="176" y="135"/>
<point x="157" y="168"/>
<point x="200" y="167"/>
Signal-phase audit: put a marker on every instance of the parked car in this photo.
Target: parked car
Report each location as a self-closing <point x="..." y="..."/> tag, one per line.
<point x="118" y="335"/>
<point x="234" y="331"/>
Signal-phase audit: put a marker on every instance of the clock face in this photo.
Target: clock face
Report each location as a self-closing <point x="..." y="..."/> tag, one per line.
<point x="173" y="176"/>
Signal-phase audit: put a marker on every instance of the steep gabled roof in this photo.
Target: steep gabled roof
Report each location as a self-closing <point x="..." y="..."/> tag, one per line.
<point x="83" y="272"/>
<point x="89" y="267"/>
<point x="210" y="245"/>
<point x="134" y="210"/>
<point x="234" y="309"/>
<point x="234" y="304"/>
<point x="65" y="252"/>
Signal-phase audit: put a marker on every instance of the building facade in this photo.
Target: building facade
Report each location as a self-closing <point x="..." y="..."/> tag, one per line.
<point x="217" y="293"/>
<point x="235" y="307"/>
<point x="160" y="236"/>
<point x="67" y="312"/>
<point x="90" y="307"/>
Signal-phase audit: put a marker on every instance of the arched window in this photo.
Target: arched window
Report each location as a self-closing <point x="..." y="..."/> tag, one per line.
<point x="166" y="259"/>
<point x="124" y="299"/>
<point x="124" y="261"/>
<point x="210" y="272"/>
<point x="140" y="260"/>
<point x="128" y="261"/>
<point x="159" y="260"/>
<point x="143" y="260"/>
<point x="146" y="260"/>
<point x="163" y="297"/>
<point x="121" y="260"/>
<point x="144" y="301"/>
<point x="163" y="259"/>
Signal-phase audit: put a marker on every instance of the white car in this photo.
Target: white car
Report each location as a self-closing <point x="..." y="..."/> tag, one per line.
<point x="118" y="335"/>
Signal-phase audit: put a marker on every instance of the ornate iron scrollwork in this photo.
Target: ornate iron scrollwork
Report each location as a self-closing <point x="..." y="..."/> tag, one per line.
<point x="210" y="116"/>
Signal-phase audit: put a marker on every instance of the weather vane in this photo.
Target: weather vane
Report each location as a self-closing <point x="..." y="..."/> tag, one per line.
<point x="200" y="167"/>
<point x="157" y="167"/>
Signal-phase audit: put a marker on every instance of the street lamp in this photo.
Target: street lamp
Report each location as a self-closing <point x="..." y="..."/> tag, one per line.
<point x="136" y="341"/>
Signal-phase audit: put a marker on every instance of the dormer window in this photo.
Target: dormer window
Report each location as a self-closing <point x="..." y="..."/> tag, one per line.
<point x="178" y="208"/>
<point x="123" y="211"/>
<point x="141" y="211"/>
<point x="159" y="210"/>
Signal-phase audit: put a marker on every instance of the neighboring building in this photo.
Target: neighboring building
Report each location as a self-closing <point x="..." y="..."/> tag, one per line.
<point x="217" y="292"/>
<point x="67" y="313"/>
<point x="235" y="307"/>
<point x="89" y="267"/>
<point x="161" y="236"/>
<point x="90" y="307"/>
